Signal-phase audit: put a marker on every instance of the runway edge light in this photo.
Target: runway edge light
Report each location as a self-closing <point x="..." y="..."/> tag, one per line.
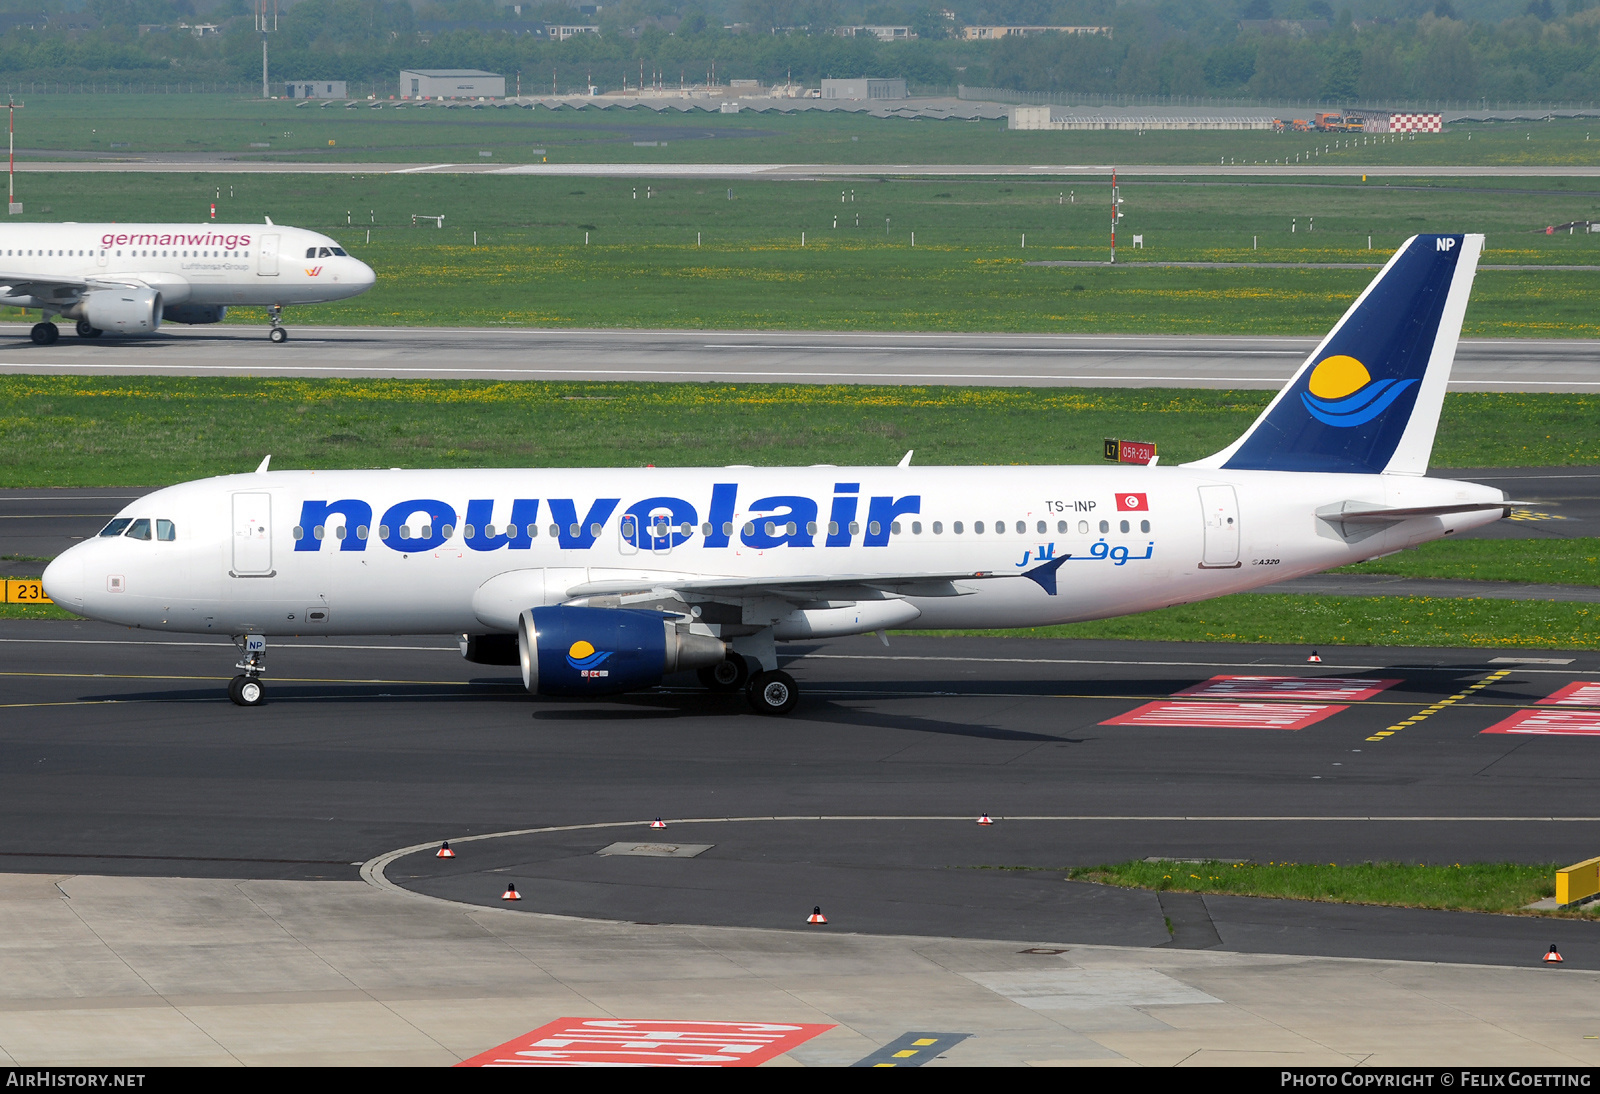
<point x="816" y="915"/>
<point x="444" y="851"/>
<point x="984" y="820"/>
<point x="511" y="892"/>
<point x="1314" y="659"/>
<point x="1554" y="956"/>
<point x="658" y="823"/>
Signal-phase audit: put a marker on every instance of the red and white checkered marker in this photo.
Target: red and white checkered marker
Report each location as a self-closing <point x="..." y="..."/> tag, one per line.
<point x="510" y="893"/>
<point x="816" y="915"/>
<point x="1314" y="659"/>
<point x="1553" y="957"/>
<point x="650" y="1042"/>
<point x="444" y="851"/>
<point x="985" y="819"/>
<point x="658" y="823"/>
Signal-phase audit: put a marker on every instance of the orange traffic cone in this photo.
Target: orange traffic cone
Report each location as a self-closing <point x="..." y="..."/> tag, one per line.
<point x="658" y="823"/>
<point x="1553" y="957"/>
<point x="511" y="892"/>
<point x="985" y="819"/>
<point x="816" y="915"/>
<point x="444" y="851"/>
<point x="1314" y="659"/>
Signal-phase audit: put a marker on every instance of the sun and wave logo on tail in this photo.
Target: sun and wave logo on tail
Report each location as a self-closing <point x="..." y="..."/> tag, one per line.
<point x="1343" y="393"/>
<point x="586" y="659"/>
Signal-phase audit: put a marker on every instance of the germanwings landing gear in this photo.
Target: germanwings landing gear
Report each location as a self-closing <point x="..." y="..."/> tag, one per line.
<point x="277" y="333"/>
<point x="246" y="689"/>
<point x="44" y="334"/>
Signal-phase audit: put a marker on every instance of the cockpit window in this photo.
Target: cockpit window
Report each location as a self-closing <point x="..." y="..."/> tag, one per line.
<point x="311" y="252"/>
<point x="140" y="529"/>
<point x="166" y="531"/>
<point x="341" y="252"/>
<point x="324" y="252"/>
<point x="116" y="527"/>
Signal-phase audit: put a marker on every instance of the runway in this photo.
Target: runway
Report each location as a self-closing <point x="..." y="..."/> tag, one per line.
<point x="124" y="757"/>
<point x="806" y="357"/>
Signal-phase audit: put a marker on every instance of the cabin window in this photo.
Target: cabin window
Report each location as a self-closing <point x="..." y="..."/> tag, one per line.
<point x="1105" y="526"/>
<point x="772" y="529"/>
<point x="361" y="532"/>
<point x="977" y="527"/>
<point x="297" y="533"/>
<point x="1083" y="527"/>
<point x="140" y="529"/>
<point x="727" y="527"/>
<point x="999" y="527"/>
<point x="383" y="531"/>
<point x="749" y="528"/>
<point x="811" y="528"/>
<point x="533" y="530"/>
<point x="574" y="531"/>
<point x="833" y="527"/>
<point x="316" y="533"/>
<point x="855" y="528"/>
<point x="916" y="527"/>
<point x="1124" y="526"/>
<point x="405" y="531"/>
<point x="1043" y="528"/>
<point x="427" y="532"/>
<point x="116" y="527"/>
<point x="894" y="528"/>
<point x="956" y="528"/>
<point x="1144" y="526"/>
<point x="874" y="528"/>
<point x="1061" y="527"/>
<point x="938" y="528"/>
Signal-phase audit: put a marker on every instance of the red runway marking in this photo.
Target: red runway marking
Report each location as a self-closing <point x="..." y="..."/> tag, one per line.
<point x="1579" y="693"/>
<point x="1551" y="723"/>
<point x="1226" y="715"/>
<point x="1345" y="689"/>
<point x="610" y="1042"/>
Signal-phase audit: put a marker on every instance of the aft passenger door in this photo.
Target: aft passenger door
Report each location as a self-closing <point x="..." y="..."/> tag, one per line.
<point x="1220" y="507"/>
<point x="267" y="266"/>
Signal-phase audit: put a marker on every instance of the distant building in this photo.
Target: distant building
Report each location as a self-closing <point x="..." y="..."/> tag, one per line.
<point x="864" y="88"/>
<point x="315" y="89"/>
<point x="451" y="83"/>
<point x="881" y="33"/>
<point x="973" y="34"/>
<point x="558" y="32"/>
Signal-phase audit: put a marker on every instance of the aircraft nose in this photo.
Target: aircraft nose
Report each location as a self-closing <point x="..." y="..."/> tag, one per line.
<point x="63" y="580"/>
<point x="366" y="277"/>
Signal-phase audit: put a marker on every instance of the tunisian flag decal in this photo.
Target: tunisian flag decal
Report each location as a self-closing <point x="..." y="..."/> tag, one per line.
<point x="1133" y="503"/>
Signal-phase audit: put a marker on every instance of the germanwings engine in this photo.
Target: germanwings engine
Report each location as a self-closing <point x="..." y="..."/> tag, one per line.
<point x="122" y="311"/>
<point x="581" y="651"/>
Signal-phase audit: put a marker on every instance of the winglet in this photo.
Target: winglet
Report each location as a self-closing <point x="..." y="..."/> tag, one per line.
<point x="1045" y="576"/>
<point x="264" y="461"/>
<point x="905" y="461"/>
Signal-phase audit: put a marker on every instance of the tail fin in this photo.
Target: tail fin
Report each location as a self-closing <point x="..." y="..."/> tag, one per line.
<point x="1368" y="399"/>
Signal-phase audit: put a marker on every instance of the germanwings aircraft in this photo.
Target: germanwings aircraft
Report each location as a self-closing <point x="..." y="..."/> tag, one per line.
<point x="605" y="580"/>
<point x="128" y="278"/>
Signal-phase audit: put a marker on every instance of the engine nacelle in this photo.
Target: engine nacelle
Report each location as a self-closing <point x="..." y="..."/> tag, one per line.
<point x="194" y="313"/>
<point x="120" y="311"/>
<point x="604" y="651"/>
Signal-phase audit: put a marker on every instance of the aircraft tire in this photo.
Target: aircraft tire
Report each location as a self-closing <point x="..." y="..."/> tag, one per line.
<point x="246" y="691"/>
<point x="87" y="329"/>
<point x="773" y="693"/>
<point x="44" y="334"/>
<point x="278" y="334"/>
<point x="731" y="675"/>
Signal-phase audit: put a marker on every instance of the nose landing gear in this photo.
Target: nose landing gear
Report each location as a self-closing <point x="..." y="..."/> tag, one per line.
<point x="246" y="689"/>
<point x="277" y="333"/>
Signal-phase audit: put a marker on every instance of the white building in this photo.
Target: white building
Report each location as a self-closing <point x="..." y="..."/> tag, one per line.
<point x="558" y="32"/>
<point x="973" y="34"/>
<point x="451" y="83"/>
<point x="315" y="89"/>
<point x="865" y="88"/>
<point x="881" y="33"/>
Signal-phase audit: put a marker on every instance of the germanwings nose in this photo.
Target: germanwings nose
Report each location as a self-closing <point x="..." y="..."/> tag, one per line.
<point x="365" y="277"/>
<point x="63" y="580"/>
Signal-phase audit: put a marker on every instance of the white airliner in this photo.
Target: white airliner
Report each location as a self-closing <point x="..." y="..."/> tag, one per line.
<point x="599" y="581"/>
<point x="128" y="278"/>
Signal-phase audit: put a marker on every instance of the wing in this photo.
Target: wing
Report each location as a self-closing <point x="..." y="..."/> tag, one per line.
<point x="60" y="290"/>
<point x="797" y="590"/>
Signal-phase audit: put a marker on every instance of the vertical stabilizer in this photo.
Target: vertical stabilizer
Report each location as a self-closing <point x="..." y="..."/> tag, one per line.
<point x="1368" y="399"/>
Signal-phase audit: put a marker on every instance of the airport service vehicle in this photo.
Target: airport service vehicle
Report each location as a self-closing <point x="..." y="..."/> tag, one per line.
<point x="129" y="278"/>
<point x="599" y="581"/>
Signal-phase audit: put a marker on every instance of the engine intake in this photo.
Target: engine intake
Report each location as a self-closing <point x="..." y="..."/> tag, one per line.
<point x="605" y="651"/>
<point x="121" y="311"/>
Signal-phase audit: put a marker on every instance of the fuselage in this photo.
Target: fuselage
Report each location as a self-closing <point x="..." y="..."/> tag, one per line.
<point x="200" y="264"/>
<point x="438" y="551"/>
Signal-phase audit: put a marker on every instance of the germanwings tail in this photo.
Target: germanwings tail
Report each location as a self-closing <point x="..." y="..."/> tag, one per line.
<point x="1368" y="399"/>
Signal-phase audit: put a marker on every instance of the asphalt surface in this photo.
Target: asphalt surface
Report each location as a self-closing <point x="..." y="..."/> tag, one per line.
<point x="119" y="754"/>
<point x="1023" y="360"/>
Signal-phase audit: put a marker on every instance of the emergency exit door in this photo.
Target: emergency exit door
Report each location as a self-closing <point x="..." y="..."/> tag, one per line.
<point x="1220" y="507"/>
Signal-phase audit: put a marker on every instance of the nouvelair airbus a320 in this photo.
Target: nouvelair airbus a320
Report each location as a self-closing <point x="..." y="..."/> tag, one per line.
<point x="129" y="278"/>
<point x="601" y="581"/>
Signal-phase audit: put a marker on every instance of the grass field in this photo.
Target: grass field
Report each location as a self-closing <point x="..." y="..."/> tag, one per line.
<point x="1561" y="561"/>
<point x="1469" y="886"/>
<point x="133" y="125"/>
<point x="643" y="267"/>
<point x="111" y="430"/>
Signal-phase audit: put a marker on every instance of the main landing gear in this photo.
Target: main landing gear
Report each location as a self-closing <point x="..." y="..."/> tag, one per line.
<point x="278" y="333"/>
<point x="87" y="329"/>
<point x="246" y="689"/>
<point x="771" y="692"/>
<point x="44" y="334"/>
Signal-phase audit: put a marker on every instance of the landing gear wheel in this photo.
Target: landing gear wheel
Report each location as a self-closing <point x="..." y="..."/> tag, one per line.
<point x="44" y="334"/>
<point x="278" y="334"/>
<point x="729" y="675"/>
<point x="87" y="329"/>
<point x="246" y="691"/>
<point x="773" y="693"/>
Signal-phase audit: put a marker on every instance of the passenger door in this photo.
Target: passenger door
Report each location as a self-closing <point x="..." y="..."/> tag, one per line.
<point x="252" y="535"/>
<point x="1220" y="507"/>
<point x="267" y="266"/>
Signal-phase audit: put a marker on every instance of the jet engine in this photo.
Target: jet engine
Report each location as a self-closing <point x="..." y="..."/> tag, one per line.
<point x="604" y="651"/>
<point x="194" y="313"/>
<point x="121" y="311"/>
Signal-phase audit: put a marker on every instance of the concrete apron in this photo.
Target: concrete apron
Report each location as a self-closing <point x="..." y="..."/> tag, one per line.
<point x="159" y="971"/>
